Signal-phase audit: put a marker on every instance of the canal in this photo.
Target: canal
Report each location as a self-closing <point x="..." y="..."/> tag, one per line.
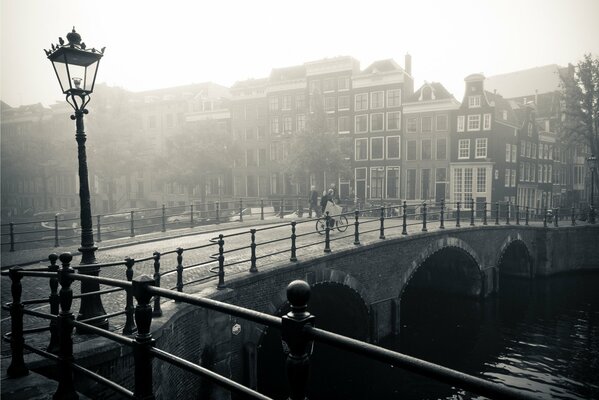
<point x="540" y="336"/>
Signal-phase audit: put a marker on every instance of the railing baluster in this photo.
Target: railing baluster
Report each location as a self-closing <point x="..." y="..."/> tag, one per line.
<point x="12" y="236"/>
<point x="240" y="210"/>
<point x="517" y="214"/>
<point x="132" y="224"/>
<point x="497" y="213"/>
<point x="54" y="301"/>
<point x="130" y="327"/>
<point x="218" y="212"/>
<point x="253" y="251"/>
<point x="221" y="262"/>
<point x="424" y="218"/>
<point x="485" y="213"/>
<point x="472" y="212"/>
<point x="179" y="269"/>
<point x="382" y="218"/>
<point x="56" y="231"/>
<point x="293" y="236"/>
<point x="143" y="339"/>
<point x="526" y="216"/>
<point x="457" y="220"/>
<point x="99" y="227"/>
<point x="66" y="387"/>
<point x="442" y="217"/>
<point x="261" y="209"/>
<point x="163" y="218"/>
<point x="356" y="228"/>
<point x="295" y="342"/>
<point x="282" y="208"/>
<point x="404" y="230"/>
<point x="157" y="310"/>
<point x="191" y="215"/>
<point x="507" y="213"/>
<point x="573" y="217"/>
<point x="17" y="365"/>
<point x="556" y="217"/>
<point x="545" y="218"/>
<point x="327" y="231"/>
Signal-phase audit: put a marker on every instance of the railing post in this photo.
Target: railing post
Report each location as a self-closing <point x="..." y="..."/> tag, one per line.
<point x="56" y="231"/>
<point x="218" y="212"/>
<point x="143" y="339"/>
<point x="12" y="236"/>
<point x="253" y="250"/>
<point x="295" y="342"/>
<point x="497" y="213"/>
<point x="404" y="230"/>
<point x="526" y="216"/>
<point x="327" y="232"/>
<point x="382" y="234"/>
<point x="545" y="218"/>
<point x="157" y="310"/>
<point x="457" y="220"/>
<point x="261" y="209"/>
<point x="517" y="214"/>
<point x="356" y="228"/>
<point x="556" y="217"/>
<point x="54" y="301"/>
<point x="442" y="215"/>
<point x="573" y="217"/>
<point x="191" y="215"/>
<point x="507" y="213"/>
<point x="179" y="269"/>
<point x="240" y="209"/>
<point x="163" y="218"/>
<point x="282" y="209"/>
<point x="221" y="262"/>
<point x="472" y="212"/>
<point x="132" y="225"/>
<point x="485" y="213"/>
<point x="17" y="365"/>
<point x="293" y="236"/>
<point x="424" y="218"/>
<point x="66" y="387"/>
<point x="99" y="227"/>
<point x="130" y="327"/>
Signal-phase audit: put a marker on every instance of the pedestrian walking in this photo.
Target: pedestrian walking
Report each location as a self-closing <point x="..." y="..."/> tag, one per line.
<point x="313" y="202"/>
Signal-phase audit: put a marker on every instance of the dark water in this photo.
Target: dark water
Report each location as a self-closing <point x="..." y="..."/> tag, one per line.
<point x="541" y="337"/>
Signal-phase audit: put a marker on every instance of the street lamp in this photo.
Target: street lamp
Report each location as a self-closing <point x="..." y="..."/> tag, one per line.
<point x="592" y="161"/>
<point x="76" y="68"/>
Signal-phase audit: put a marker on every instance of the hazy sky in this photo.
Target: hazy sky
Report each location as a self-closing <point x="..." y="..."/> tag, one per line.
<point x="155" y="44"/>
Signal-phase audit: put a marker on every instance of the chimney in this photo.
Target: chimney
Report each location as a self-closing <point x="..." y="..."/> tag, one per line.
<point x="408" y="64"/>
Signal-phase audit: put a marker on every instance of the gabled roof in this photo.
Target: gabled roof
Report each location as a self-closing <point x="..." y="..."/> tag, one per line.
<point x="380" y="66"/>
<point x="438" y="92"/>
<point x="527" y="82"/>
<point x="288" y="73"/>
<point x="501" y="105"/>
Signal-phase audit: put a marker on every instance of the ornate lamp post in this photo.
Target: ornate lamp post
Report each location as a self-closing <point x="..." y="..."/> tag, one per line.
<point x="592" y="161"/>
<point x="76" y="68"/>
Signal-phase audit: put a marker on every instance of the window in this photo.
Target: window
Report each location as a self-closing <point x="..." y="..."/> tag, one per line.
<point x="522" y="148"/>
<point x="377" y="122"/>
<point x="301" y="122"/>
<point x="481" y="148"/>
<point x="377" y="100"/>
<point x="473" y="101"/>
<point x="393" y="182"/>
<point x="467" y="187"/>
<point x="427" y="149"/>
<point x="427" y="124"/>
<point x="528" y="152"/>
<point x="411" y="125"/>
<point x="411" y="184"/>
<point x="329" y="103"/>
<point x="287" y="124"/>
<point x="522" y="172"/>
<point x="481" y="180"/>
<point x="394" y="98"/>
<point x="328" y="85"/>
<point x="463" y="149"/>
<point x="460" y="126"/>
<point x="274" y="125"/>
<point x="273" y="103"/>
<point x="508" y="152"/>
<point x="394" y="121"/>
<point x="343" y="83"/>
<point x="361" y="122"/>
<point x="534" y="150"/>
<point x="441" y="122"/>
<point x="425" y="184"/>
<point x="360" y="183"/>
<point x="504" y="115"/>
<point x="376" y="148"/>
<point x="262" y="157"/>
<point x="473" y="123"/>
<point x="361" y="102"/>
<point x="343" y="102"/>
<point x="331" y="124"/>
<point x="343" y="124"/>
<point x="361" y="149"/>
<point x="250" y="158"/>
<point x="393" y="147"/>
<point x="441" y="148"/>
<point x="286" y="102"/>
<point x="513" y="179"/>
<point x="411" y="150"/>
<point x="300" y="102"/>
<point x="506" y="181"/>
<point x="458" y="184"/>
<point x="486" y="122"/>
<point x="514" y="150"/>
<point x="314" y="86"/>
<point x="377" y="175"/>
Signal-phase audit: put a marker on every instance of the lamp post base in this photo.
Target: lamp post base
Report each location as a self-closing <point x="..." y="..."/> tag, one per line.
<point x="91" y="305"/>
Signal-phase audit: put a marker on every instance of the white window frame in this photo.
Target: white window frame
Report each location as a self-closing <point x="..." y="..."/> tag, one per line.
<point x="508" y="152"/>
<point x="346" y="117"/>
<point x="301" y="126"/>
<point x="381" y="168"/>
<point x="339" y="103"/>
<point x="360" y="96"/>
<point x="465" y="148"/>
<point x="422" y="149"/>
<point x="398" y="148"/>
<point x="471" y="119"/>
<point x="474" y="101"/>
<point x="427" y="117"/>
<point x="382" y="122"/>
<point x="365" y="116"/>
<point x="391" y="94"/>
<point x="356" y="153"/>
<point x="382" y="139"/>
<point x="481" y="148"/>
<point x="486" y="122"/>
<point x="507" y="177"/>
<point x="415" y="125"/>
<point x="380" y="93"/>
<point x="461" y="123"/>
<point x="390" y="113"/>
<point x="345" y="80"/>
<point x="393" y="168"/>
<point x="514" y="151"/>
<point x="437" y="122"/>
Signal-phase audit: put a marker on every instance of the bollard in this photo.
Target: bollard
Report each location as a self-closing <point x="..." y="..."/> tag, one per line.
<point x="143" y="339"/>
<point x="293" y="256"/>
<point x="191" y="215"/>
<point x="457" y="220"/>
<point x="382" y="234"/>
<point x="132" y="225"/>
<point x="217" y="212"/>
<point x="485" y="213"/>
<point x="573" y="217"/>
<point x="356" y="229"/>
<point x="54" y="301"/>
<point x="253" y="250"/>
<point x="12" y="236"/>
<point x="497" y="213"/>
<point x="163" y="218"/>
<point x="282" y="208"/>
<point x="442" y="215"/>
<point x="424" y="217"/>
<point x="179" y="269"/>
<point x="99" y="229"/>
<point x="56" y="231"/>
<point x="240" y="210"/>
<point x="221" y="262"/>
<point x="526" y="216"/>
<point x="507" y="213"/>
<point x="556" y="217"/>
<point x="472" y="212"/>
<point x="17" y="365"/>
<point x="404" y="230"/>
<point x="261" y="209"/>
<point x="130" y="327"/>
<point x="517" y="214"/>
<point x="295" y="342"/>
<point x="327" y="232"/>
<point x="157" y="310"/>
<point x="66" y="387"/>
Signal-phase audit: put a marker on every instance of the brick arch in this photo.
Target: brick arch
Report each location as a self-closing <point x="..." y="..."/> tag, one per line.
<point x="510" y="240"/>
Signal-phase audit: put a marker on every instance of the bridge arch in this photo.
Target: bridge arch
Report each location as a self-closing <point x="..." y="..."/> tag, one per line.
<point x="514" y="258"/>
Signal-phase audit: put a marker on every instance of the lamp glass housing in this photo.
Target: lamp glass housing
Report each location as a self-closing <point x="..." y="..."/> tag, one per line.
<point x="75" y="69"/>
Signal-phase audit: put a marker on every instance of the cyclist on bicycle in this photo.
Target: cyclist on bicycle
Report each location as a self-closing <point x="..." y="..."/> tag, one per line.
<point x="329" y="198"/>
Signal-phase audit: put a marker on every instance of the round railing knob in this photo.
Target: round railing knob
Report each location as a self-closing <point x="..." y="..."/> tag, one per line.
<point x="298" y="294"/>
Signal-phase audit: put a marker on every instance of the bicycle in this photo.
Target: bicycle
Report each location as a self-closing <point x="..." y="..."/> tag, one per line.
<point x="341" y="223"/>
